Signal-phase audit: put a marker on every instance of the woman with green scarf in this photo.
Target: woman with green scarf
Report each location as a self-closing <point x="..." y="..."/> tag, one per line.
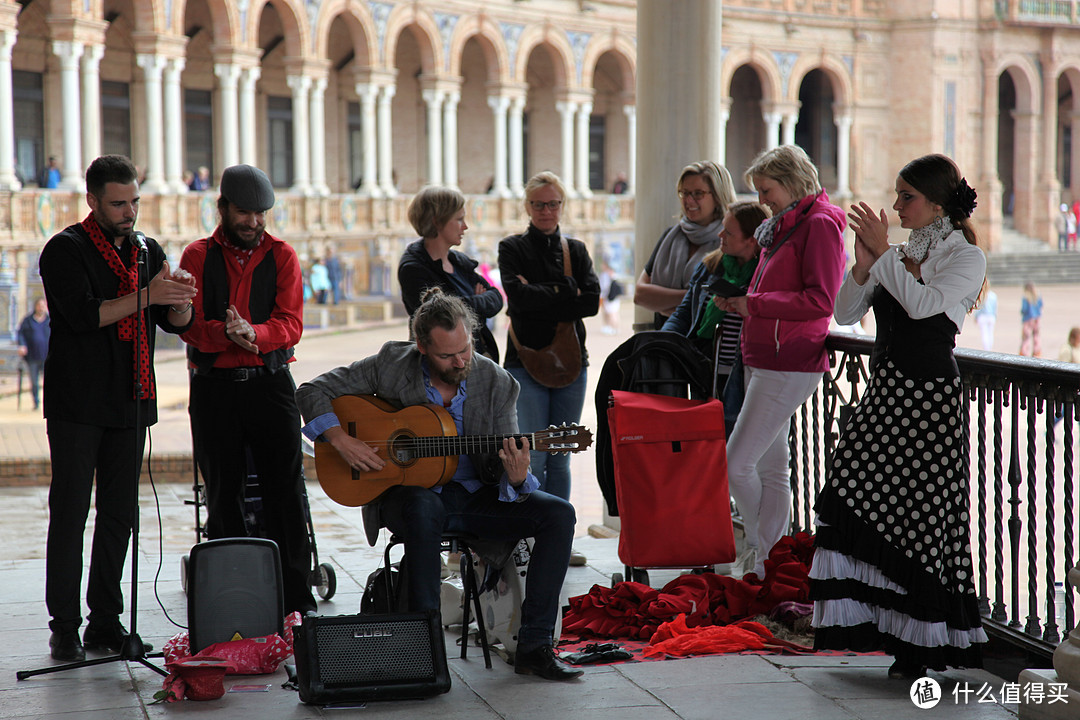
<point x="697" y="317"/>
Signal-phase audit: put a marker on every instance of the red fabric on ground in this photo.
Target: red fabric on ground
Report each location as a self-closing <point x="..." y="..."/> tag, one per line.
<point x="633" y="610"/>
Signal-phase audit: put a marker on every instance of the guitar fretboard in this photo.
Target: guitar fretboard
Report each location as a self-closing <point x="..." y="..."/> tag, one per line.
<point x="424" y="447"/>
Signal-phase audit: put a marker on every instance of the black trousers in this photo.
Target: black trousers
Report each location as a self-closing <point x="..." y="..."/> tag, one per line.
<point x="230" y="417"/>
<point x="77" y="452"/>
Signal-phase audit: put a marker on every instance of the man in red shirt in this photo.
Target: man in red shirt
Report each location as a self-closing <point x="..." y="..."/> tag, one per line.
<point x="248" y="318"/>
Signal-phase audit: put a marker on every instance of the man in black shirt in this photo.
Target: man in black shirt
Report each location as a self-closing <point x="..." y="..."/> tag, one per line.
<point x="98" y="372"/>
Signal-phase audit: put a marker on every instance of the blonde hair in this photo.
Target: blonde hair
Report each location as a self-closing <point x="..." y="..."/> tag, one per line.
<point x="432" y="208"/>
<point x="541" y="179"/>
<point x="717" y="178"/>
<point x="788" y="165"/>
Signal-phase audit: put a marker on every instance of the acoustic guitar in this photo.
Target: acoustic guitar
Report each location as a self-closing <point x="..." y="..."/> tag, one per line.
<point x="420" y="445"/>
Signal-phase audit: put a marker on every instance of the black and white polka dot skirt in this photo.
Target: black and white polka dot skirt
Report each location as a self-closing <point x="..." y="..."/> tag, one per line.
<point x="892" y="569"/>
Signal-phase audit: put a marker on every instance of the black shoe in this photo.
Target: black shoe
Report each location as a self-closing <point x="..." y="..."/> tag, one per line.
<point x="109" y="638"/>
<point x="66" y="646"/>
<point x="902" y="670"/>
<point x="542" y="662"/>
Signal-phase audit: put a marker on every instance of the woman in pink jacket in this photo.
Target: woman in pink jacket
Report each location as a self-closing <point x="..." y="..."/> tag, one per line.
<point x="786" y="310"/>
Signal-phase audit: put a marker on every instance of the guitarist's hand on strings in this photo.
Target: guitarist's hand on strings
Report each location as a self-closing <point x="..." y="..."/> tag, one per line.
<point x="357" y="453"/>
<point x="515" y="459"/>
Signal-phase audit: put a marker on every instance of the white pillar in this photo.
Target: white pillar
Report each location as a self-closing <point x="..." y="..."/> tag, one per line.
<point x="788" y="128"/>
<point x="499" y="107"/>
<point x="433" y="99"/>
<point x="300" y="85"/>
<point x="247" y="124"/>
<point x="772" y="129"/>
<point x="386" y="145"/>
<point x="631" y="135"/>
<point x="91" y="103"/>
<point x="228" y="74"/>
<point x="722" y="119"/>
<point x="843" y="156"/>
<point x="70" y="172"/>
<point x="567" y="111"/>
<point x="8" y="181"/>
<point x="582" y="173"/>
<point x="152" y="66"/>
<point x="318" y="137"/>
<point x="517" y="154"/>
<point x="450" y="139"/>
<point x="174" y="143"/>
<point x="369" y="182"/>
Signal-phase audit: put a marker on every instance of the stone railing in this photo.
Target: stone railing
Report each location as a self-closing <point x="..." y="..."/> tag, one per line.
<point x="1040" y="12"/>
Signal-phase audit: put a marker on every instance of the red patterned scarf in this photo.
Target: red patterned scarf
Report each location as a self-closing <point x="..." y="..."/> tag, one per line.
<point x="129" y="283"/>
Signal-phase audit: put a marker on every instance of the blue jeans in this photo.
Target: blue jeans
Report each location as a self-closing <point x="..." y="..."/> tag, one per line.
<point x="419" y="516"/>
<point x="537" y="408"/>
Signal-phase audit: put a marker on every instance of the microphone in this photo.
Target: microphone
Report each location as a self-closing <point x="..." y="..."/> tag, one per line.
<point x="139" y="239"/>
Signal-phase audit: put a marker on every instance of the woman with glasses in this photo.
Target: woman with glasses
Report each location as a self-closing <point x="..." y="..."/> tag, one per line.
<point x="705" y="191"/>
<point x="438" y="215"/>
<point x="540" y="295"/>
<point x="786" y="313"/>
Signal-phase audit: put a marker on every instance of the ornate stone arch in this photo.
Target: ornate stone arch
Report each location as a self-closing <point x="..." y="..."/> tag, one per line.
<point x="293" y="22"/>
<point x="762" y="63"/>
<point x="621" y="47"/>
<point x="556" y="40"/>
<point x="224" y="16"/>
<point x="486" y="33"/>
<point x="425" y="30"/>
<point x="833" y="67"/>
<point x="1071" y="71"/>
<point x="1026" y="78"/>
<point x="361" y="26"/>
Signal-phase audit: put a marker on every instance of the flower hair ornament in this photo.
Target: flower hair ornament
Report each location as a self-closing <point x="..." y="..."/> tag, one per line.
<point x="963" y="200"/>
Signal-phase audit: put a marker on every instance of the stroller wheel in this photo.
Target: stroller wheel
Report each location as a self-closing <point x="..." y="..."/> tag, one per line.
<point x="183" y="573"/>
<point x="325" y="581"/>
<point x="616" y="578"/>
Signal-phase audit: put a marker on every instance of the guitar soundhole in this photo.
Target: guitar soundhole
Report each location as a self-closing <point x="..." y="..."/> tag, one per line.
<point x="403" y="448"/>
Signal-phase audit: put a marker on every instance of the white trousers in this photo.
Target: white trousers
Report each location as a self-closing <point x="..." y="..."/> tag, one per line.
<point x="759" y="477"/>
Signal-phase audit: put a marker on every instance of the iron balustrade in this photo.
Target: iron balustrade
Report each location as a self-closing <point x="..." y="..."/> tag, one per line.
<point x="1020" y="444"/>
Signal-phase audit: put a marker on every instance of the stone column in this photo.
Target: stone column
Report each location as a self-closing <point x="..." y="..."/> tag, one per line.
<point x="450" y="139"/>
<point x="499" y="105"/>
<point x="843" y="156"/>
<point x="567" y="110"/>
<point x="300" y="85"/>
<point x="318" y="137"/>
<point x="1048" y="197"/>
<point x="152" y="66"/>
<point x="582" y="166"/>
<point x="368" y="94"/>
<point x="8" y="181"/>
<point x="516" y="133"/>
<point x="722" y="121"/>
<point x="91" y="102"/>
<point x="247" y="126"/>
<point x="174" y="112"/>
<point x="228" y="74"/>
<point x="772" y="129"/>
<point x="631" y="134"/>
<point x="70" y="170"/>
<point x="990" y="189"/>
<point x="433" y="99"/>
<point x="787" y="130"/>
<point x="386" y="147"/>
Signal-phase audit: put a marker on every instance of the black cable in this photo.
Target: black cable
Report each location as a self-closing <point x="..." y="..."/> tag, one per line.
<point x="161" y="532"/>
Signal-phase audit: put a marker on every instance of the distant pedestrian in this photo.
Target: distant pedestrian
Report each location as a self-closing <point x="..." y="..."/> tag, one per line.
<point x="986" y="316"/>
<point x="1066" y="227"/>
<point x="1031" y="307"/>
<point x="1070" y="351"/>
<point x="333" y="273"/>
<point x="50" y="175"/>
<point x="320" y="281"/>
<point x="33" y="338"/>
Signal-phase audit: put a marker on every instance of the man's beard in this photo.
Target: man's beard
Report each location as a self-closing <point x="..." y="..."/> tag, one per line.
<point x="233" y="237"/>
<point x="456" y="376"/>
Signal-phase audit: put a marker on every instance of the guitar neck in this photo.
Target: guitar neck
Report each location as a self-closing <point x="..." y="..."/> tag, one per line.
<point x="422" y="447"/>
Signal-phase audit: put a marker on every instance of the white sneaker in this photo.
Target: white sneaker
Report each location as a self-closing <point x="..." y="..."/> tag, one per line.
<point x="743" y="563"/>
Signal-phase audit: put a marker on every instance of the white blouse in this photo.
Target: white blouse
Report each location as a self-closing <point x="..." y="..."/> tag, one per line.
<point x="952" y="276"/>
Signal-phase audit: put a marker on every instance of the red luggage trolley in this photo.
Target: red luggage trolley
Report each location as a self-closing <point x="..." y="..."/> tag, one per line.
<point x="670" y="463"/>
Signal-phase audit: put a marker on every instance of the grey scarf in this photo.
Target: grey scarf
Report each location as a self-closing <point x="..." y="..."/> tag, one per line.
<point x="680" y="251"/>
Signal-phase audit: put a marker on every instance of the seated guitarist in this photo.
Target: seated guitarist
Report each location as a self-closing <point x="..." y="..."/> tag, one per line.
<point x="493" y="497"/>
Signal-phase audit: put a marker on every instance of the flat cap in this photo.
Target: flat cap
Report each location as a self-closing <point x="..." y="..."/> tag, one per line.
<point x="247" y="188"/>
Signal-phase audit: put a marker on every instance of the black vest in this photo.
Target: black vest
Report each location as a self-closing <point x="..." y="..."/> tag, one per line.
<point x="214" y="290"/>
<point x="919" y="348"/>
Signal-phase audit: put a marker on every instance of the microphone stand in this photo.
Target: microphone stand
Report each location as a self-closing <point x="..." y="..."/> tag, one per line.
<point x="132" y="649"/>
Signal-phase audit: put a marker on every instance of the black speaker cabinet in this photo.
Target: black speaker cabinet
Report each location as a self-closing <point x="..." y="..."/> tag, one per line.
<point x="349" y="658"/>
<point x="234" y="589"/>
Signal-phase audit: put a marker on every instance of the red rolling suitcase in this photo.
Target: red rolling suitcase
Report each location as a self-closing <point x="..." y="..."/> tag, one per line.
<point x="671" y="483"/>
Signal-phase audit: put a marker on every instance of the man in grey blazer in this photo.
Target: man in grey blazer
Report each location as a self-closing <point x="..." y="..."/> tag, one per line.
<point x="492" y="496"/>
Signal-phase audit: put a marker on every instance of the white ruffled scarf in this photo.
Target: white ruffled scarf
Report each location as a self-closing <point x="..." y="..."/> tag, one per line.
<point x="923" y="239"/>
